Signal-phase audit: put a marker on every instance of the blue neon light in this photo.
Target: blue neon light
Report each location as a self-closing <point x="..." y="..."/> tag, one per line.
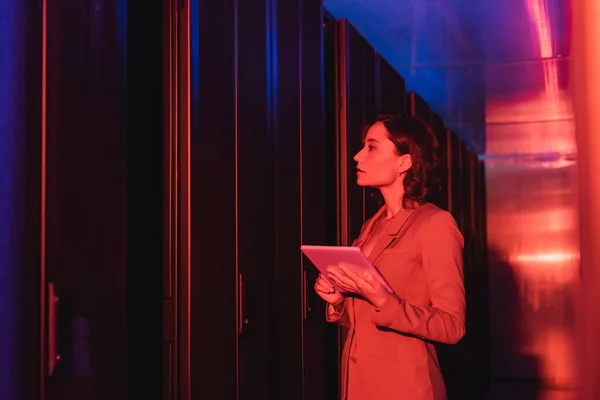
<point x="11" y="50"/>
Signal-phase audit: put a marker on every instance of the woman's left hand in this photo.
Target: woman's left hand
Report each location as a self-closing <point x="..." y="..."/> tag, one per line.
<point x="364" y="284"/>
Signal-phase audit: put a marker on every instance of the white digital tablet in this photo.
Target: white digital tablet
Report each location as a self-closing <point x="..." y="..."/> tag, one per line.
<point x="331" y="257"/>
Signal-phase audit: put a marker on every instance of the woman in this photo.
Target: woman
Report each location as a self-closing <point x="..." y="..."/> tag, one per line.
<point x="417" y="247"/>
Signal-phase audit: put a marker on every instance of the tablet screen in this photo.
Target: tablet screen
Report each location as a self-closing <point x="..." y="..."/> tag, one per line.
<point x="331" y="257"/>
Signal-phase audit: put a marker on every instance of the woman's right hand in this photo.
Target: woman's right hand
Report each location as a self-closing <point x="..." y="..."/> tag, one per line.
<point x="327" y="292"/>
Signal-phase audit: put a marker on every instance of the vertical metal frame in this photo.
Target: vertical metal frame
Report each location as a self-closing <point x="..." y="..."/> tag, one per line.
<point x="176" y="287"/>
<point x="184" y="201"/>
<point x="42" y="266"/>
<point x="341" y="85"/>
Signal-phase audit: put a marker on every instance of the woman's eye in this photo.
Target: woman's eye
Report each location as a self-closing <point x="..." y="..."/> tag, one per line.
<point x="371" y="148"/>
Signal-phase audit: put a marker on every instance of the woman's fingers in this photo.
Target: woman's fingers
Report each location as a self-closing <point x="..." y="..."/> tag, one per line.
<point x="349" y="273"/>
<point x="324" y="282"/>
<point x="342" y="281"/>
<point x="362" y="282"/>
<point x="319" y="287"/>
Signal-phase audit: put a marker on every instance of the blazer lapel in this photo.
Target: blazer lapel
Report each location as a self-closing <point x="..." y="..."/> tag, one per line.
<point x="366" y="231"/>
<point x="391" y="233"/>
<point x="386" y="240"/>
<point x="394" y="231"/>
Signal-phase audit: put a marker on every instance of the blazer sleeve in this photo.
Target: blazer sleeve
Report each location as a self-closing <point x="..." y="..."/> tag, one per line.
<point x="444" y="319"/>
<point x="341" y="317"/>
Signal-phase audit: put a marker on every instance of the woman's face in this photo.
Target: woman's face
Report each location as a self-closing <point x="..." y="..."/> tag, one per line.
<point x="378" y="163"/>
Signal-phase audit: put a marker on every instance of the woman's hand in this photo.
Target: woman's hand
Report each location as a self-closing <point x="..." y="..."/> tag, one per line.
<point x="363" y="284"/>
<point x="327" y="292"/>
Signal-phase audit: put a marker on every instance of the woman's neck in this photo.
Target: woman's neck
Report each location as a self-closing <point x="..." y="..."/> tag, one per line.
<point x="392" y="196"/>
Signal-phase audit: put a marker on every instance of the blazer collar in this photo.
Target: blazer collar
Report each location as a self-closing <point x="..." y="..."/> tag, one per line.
<point x="391" y="232"/>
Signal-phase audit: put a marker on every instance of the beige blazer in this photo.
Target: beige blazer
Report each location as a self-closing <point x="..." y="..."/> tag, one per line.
<point x="388" y="353"/>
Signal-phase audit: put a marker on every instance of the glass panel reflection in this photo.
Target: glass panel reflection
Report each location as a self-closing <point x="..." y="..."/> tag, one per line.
<point x="534" y="266"/>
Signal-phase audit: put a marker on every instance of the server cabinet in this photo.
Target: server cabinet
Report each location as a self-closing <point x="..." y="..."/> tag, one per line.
<point x="231" y="200"/>
<point x="99" y="261"/>
<point x="306" y="344"/>
<point x="258" y="188"/>
<point x="417" y="106"/>
<point x="365" y="85"/>
<point x="391" y="89"/>
<point x="22" y="199"/>
<point x="439" y="129"/>
<point x="456" y="177"/>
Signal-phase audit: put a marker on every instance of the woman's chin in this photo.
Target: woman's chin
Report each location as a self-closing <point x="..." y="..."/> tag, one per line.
<point x="361" y="182"/>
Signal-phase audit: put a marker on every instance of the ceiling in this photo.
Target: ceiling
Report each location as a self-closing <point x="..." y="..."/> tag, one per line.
<point x="496" y="70"/>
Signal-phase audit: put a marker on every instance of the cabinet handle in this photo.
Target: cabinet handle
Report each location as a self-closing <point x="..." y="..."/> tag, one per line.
<point x="242" y="318"/>
<point x="306" y="307"/>
<point x="52" y="338"/>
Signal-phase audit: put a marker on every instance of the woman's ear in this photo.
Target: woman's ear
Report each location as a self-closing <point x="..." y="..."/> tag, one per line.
<point x="404" y="163"/>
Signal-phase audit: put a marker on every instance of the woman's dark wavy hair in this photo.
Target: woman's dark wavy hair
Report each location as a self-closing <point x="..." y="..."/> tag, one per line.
<point x="413" y="136"/>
